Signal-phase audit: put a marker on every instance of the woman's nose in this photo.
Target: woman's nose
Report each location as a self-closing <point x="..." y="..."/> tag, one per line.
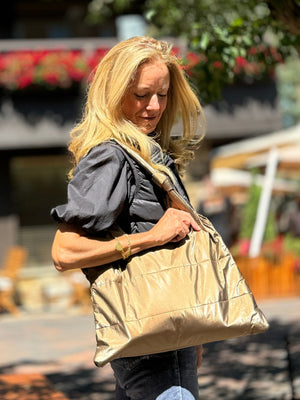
<point x="153" y="103"/>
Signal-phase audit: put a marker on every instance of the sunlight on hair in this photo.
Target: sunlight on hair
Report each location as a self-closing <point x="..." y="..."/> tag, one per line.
<point x="103" y="118"/>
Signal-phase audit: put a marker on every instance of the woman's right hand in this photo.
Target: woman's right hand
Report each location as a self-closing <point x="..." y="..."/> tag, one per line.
<point x="73" y="249"/>
<point x="173" y="226"/>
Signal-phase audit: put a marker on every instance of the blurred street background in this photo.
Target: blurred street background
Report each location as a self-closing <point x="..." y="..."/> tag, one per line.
<point x="243" y="60"/>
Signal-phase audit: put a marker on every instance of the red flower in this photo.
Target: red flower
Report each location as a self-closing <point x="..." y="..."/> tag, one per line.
<point x="253" y="50"/>
<point x="63" y="67"/>
<point x="175" y="51"/>
<point x="278" y="244"/>
<point x="241" y="61"/>
<point x="244" y="247"/>
<point x="51" y="77"/>
<point x="192" y="59"/>
<point x="218" y="65"/>
<point x="236" y="69"/>
<point x="25" y="80"/>
<point x="57" y="68"/>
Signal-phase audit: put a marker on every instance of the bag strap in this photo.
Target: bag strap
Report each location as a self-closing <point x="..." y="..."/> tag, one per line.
<point x="163" y="181"/>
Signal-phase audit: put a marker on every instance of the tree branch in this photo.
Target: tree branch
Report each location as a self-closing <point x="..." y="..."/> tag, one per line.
<point x="287" y="12"/>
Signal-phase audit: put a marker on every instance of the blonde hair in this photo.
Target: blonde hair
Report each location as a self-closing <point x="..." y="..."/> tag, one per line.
<point x="103" y="118"/>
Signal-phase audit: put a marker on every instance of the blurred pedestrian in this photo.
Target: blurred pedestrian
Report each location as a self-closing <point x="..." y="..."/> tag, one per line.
<point x="294" y="219"/>
<point x="217" y="208"/>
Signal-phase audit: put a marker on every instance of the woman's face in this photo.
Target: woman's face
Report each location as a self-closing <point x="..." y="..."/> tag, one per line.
<point x="146" y="99"/>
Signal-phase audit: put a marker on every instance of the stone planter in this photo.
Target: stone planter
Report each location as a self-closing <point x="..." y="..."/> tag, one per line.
<point x="35" y="104"/>
<point x="38" y="118"/>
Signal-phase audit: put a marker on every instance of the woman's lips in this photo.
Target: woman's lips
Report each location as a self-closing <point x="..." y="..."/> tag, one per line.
<point x="149" y="118"/>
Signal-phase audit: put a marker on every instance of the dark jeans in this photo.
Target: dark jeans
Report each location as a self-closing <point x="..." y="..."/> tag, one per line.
<point x="165" y="376"/>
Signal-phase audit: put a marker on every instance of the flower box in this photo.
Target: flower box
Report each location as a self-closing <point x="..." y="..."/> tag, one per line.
<point x="269" y="279"/>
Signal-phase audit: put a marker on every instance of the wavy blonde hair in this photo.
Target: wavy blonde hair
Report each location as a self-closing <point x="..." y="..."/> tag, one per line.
<point x="103" y="118"/>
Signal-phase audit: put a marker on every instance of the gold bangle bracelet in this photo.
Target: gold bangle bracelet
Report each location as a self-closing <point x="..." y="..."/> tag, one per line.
<point x="129" y="246"/>
<point x="120" y="249"/>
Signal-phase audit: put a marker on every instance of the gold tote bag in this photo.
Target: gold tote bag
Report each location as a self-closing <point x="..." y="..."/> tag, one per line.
<point x="171" y="297"/>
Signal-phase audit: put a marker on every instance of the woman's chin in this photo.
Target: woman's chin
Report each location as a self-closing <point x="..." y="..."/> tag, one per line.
<point x="148" y="129"/>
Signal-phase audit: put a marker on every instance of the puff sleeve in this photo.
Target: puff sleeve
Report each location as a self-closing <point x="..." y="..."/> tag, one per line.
<point x="98" y="192"/>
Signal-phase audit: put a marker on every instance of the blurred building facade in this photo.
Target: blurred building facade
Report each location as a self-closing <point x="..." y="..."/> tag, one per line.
<point x="35" y="125"/>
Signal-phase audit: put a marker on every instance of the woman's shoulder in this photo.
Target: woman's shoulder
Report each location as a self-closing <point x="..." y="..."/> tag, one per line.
<point x="107" y="148"/>
<point x="106" y="152"/>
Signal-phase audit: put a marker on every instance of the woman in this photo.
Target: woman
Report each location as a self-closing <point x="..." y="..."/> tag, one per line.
<point x="136" y="94"/>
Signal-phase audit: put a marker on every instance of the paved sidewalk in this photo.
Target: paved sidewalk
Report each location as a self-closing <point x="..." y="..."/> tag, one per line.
<point x="60" y="347"/>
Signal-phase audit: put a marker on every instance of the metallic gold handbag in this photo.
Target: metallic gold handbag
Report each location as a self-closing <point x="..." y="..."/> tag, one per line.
<point x="174" y="296"/>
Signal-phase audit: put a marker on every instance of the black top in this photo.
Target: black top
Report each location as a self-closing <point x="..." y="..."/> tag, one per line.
<point x="110" y="188"/>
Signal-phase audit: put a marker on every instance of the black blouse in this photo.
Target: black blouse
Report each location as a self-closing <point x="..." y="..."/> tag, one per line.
<point x="109" y="187"/>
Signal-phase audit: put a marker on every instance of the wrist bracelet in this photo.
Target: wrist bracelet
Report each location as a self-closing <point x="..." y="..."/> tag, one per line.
<point x="120" y="249"/>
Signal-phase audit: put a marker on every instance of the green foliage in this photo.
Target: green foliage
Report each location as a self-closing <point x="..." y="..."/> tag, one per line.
<point x="223" y="32"/>
<point x="288" y="86"/>
<point x="101" y="10"/>
<point x="292" y="244"/>
<point x="271" y="227"/>
<point x="250" y="211"/>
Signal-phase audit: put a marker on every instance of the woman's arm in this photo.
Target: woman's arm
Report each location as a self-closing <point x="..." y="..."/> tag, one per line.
<point x="73" y="249"/>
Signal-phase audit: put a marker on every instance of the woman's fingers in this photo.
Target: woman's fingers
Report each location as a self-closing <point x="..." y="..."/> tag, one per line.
<point x="182" y="232"/>
<point x="194" y="225"/>
<point x="174" y="226"/>
<point x="184" y="217"/>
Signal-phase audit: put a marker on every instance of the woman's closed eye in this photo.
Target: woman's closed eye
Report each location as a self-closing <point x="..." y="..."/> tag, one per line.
<point x="139" y="96"/>
<point x="142" y="96"/>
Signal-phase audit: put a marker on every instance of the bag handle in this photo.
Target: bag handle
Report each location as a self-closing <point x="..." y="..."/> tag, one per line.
<point x="163" y="181"/>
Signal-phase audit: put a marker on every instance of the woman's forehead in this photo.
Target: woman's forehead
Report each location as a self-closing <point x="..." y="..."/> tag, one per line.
<point x="155" y="73"/>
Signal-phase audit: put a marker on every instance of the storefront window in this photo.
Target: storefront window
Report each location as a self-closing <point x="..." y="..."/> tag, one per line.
<point x="39" y="183"/>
